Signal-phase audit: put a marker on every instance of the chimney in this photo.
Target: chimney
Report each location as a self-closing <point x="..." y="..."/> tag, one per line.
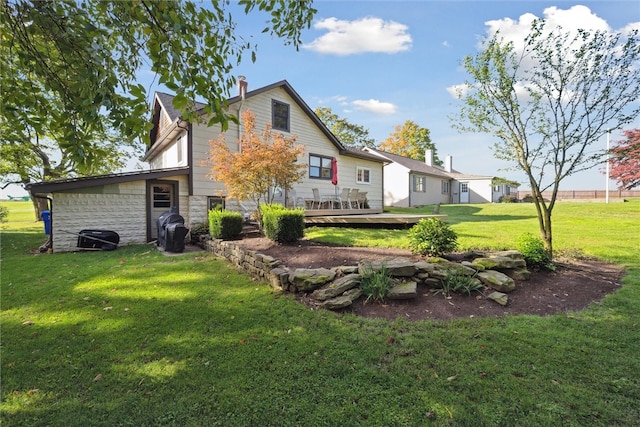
<point x="448" y="163"/>
<point x="242" y="86"/>
<point x="428" y="157"/>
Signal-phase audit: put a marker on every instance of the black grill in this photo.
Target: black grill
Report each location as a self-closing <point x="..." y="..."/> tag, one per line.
<point x="171" y="231"/>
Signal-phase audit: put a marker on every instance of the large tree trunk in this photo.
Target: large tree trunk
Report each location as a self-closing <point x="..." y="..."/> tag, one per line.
<point x="544" y="219"/>
<point x="40" y="204"/>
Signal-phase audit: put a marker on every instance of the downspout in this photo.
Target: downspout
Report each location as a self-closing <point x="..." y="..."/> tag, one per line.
<point x="409" y="189"/>
<point x="190" y="157"/>
<point x="242" y="85"/>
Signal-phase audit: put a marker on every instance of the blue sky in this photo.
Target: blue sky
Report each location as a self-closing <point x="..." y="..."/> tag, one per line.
<point x="381" y="63"/>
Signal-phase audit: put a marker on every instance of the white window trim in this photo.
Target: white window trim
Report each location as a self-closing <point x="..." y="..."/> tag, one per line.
<point x="362" y="168"/>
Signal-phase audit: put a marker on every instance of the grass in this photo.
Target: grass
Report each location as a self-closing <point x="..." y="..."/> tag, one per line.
<point x="132" y="337"/>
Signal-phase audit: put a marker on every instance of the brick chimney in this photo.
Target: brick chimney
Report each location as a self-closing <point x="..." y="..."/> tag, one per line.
<point x="242" y="86"/>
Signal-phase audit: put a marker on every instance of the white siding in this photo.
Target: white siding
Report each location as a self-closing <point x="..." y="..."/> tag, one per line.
<point x="396" y="185"/>
<point x="480" y="191"/>
<point x="308" y="135"/>
<point x="433" y="193"/>
<point x="120" y="208"/>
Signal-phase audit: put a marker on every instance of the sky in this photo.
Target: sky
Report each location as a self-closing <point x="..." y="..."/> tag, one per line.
<point x="381" y="63"/>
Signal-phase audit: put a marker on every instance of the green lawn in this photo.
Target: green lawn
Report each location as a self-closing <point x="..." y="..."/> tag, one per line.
<point x="132" y="337"/>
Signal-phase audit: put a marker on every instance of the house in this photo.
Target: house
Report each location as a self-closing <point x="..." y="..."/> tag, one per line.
<point x="409" y="182"/>
<point x="130" y="203"/>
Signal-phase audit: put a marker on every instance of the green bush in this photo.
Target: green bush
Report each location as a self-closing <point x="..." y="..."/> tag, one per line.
<point x="375" y="284"/>
<point x="197" y="230"/>
<point x="225" y="225"/>
<point x="508" y="199"/>
<point x="533" y="251"/>
<point x="432" y="237"/>
<point x="4" y="213"/>
<point x="457" y="281"/>
<point x="527" y="199"/>
<point x="281" y="224"/>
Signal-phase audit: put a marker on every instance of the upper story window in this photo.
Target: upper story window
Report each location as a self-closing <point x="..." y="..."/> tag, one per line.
<point x="419" y="183"/>
<point x="279" y="115"/>
<point x="363" y="175"/>
<point x="319" y="167"/>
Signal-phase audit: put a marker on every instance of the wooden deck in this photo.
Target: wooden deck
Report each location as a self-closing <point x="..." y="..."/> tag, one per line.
<point x="373" y="218"/>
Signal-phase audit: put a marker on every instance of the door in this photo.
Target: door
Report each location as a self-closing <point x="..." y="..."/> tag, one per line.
<point x="464" y="192"/>
<point x="161" y="196"/>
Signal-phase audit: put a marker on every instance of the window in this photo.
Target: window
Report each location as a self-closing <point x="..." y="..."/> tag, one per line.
<point x="215" y="203"/>
<point x="419" y="184"/>
<point x="162" y="196"/>
<point x="279" y="115"/>
<point x="507" y="190"/>
<point x="496" y="188"/>
<point x="363" y="175"/>
<point x="180" y="148"/>
<point x="464" y="187"/>
<point x="445" y="187"/>
<point x="319" y="167"/>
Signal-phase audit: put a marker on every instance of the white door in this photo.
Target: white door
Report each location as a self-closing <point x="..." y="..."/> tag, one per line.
<point x="162" y="196"/>
<point x="464" y="192"/>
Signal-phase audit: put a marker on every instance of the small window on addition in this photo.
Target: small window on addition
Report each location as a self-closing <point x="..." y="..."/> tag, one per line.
<point x="363" y="175"/>
<point x="279" y="116"/>
<point x="215" y="202"/>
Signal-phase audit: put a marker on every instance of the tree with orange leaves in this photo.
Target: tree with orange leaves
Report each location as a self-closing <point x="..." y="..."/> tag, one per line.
<point x="264" y="161"/>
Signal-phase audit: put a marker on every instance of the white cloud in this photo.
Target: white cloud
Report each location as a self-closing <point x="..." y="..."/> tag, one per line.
<point x="570" y="20"/>
<point x="446" y="44"/>
<point x="375" y="106"/>
<point x="458" y="91"/>
<point x="360" y="36"/>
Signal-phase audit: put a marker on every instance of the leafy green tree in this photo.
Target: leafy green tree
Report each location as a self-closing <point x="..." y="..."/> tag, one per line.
<point x="348" y="133"/>
<point x="87" y="54"/>
<point x="410" y="140"/>
<point x="549" y="104"/>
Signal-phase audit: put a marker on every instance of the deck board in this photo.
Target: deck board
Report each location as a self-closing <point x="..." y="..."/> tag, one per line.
<point x="367" y="218"/>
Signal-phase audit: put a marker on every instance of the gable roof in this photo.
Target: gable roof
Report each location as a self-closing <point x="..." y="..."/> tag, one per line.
<point x="98" y="180"/>
<point x="167" y="100"/>
<point x="418" y="166"/>
<point x="413" y="165"/>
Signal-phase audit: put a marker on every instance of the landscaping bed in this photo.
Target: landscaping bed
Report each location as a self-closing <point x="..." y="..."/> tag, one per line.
<point x="573" y="286"/>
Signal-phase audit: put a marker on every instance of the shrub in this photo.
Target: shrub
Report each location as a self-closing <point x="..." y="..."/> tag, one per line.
<point x="508" y="198"/>
<point x="432" y="237"/>
<point x="225" y="224"/>
<point x="281" y="224"/>
<point x="4" y="213"/>
<point x="458" y="281"/>
<point x="197" y="230"/>
<point x="533" y="251"/>
<point x="375" y="284"/>
<point x="527" y="199"/>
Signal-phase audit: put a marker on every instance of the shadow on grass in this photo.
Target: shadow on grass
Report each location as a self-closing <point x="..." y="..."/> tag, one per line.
<point x="468" y="213"/>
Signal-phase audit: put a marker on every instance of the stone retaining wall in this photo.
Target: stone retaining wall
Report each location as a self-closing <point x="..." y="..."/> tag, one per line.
<point x="257" y="265"/>
<point x="334" y="288"/>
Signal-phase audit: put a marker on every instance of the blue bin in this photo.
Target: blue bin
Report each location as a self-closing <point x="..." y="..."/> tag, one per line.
<point x="46" y="217"/>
